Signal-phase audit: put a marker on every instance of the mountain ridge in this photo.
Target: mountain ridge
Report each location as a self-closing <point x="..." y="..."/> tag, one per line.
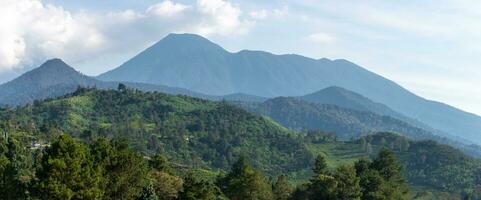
<point x="220" y="72"/>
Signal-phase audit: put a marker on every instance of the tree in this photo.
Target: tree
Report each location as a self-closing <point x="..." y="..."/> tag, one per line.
<point x="382" y="178"/>
<point x="320" y="165"/>
<point x="15" y="169"/>
<point x="160" y="163"/>
<point x="282" y="189"/>
<point x="388" y="166"/>
<point x="166" y="186"/>
<point x="195" y="189"/>
<point x="125" y="171"/>
<point x="322" y="187"/>
<point x="148" y="193"/>
<point x="347" y="183"/>
<point x="66" y="172"/>
<point x="121" y="87"/>
<point x="243" y="182"/>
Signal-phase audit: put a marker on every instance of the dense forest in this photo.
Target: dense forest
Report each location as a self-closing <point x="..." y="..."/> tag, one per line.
<point x="297" y="114"/>
<point x="96" y="144"/>
<point x="110" y="169"/>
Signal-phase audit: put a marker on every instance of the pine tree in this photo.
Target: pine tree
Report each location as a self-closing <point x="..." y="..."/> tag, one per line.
<point x="282" y="189"/>
<point x="243" y="182"/>
<point x="347" y="183"/>
<point x="320" y="165"/>
<point x="322" y="187"/>
<point x="126" y="172"/>
<point x="195" y="189"/>
<point x="388" y="166"/>
<point x="67" y="172"/>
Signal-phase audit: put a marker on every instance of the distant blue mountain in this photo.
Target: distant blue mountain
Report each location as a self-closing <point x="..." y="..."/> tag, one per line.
<point x="193" y="62"/>
<point x="56" y="78"/>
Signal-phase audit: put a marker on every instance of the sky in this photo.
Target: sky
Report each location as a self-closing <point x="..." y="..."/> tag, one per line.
<point x="430" y="47"/>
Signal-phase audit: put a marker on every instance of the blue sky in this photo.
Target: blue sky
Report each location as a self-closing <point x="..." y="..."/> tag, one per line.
<point x="432" y="48"/>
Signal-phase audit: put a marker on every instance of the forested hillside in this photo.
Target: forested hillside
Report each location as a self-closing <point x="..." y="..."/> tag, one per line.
<point x="297" y="114"/>
<point x="195" y="63"/>
<point x="346" y="123"/>
<point x="130" y="128"/>
<point x="189" y="130"/>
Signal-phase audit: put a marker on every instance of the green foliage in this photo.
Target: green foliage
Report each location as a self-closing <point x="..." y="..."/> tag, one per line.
<point x="160" y="163"/>
<point x="209" y="137"/>
<point x="190" y="131"/>
<point x="282" y="189"/>
<point x="125" y="171"/>
<point x="347" y="183"/>
<point x="382" y="178"/>
<point x="195" y="189"/>
<point x="67" y="172"/>
<point x="148" y="193"/>
<point x="320" y="165"/>
<point x="15" y="169"/>
<point x="166" y="186"/>
<point x="243" y="182"/>
<point x="346" y="123"/>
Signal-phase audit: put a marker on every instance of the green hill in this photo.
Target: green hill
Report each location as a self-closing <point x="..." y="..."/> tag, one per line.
<point x="201" y="134"/>
<point x="190" y="131"/>
<point x="195" y="63"/>
<point x="298" y="114"/>
<point x="428" y="165"/>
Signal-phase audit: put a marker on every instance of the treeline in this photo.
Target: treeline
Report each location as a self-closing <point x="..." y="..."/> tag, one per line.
<point x="192" y="131"/>
<point x="430" y="164"/>
<point x="346" y="123"/>
<point x="202" y="134"/>
<point x="111" y="169"/>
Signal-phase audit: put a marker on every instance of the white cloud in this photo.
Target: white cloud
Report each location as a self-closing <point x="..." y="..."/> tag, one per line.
<point x="320" y="38"/>
<point x="32" y="31"/>
<point x="167" y="9"/>
<point x="218" y="16"/>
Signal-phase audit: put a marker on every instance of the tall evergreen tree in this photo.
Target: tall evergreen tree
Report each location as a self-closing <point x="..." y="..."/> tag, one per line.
<point x="347" y="183"/>
<point x="388" y="166"/>
<point x="67" y="172"/>
<point x="125" y="170"/>
<point x="282" y="189"/>
<point x="195" y="189"/>
<point x="243" y="182"/>
<point x="320" y="165"/>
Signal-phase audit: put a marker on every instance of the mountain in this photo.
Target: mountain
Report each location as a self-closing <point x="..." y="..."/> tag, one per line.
<point x="193" y="62"/>
<point x="346" y="123"/>
<point x="210" y="136"/>
<point x="55" y="78"/>
<point x="348" y="99"/>
<point x="189" y="130"/>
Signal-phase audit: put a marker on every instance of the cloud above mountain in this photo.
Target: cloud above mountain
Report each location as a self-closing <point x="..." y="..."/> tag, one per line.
<point x="32" y="30"/>
<point x="415" y="43"/>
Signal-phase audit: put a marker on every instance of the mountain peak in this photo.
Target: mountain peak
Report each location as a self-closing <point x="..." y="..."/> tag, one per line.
<point x="334" y="91"/>
<point x="184" y="36"/>
<point x="54" y="64"/>
<point x="186" y="41"/>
